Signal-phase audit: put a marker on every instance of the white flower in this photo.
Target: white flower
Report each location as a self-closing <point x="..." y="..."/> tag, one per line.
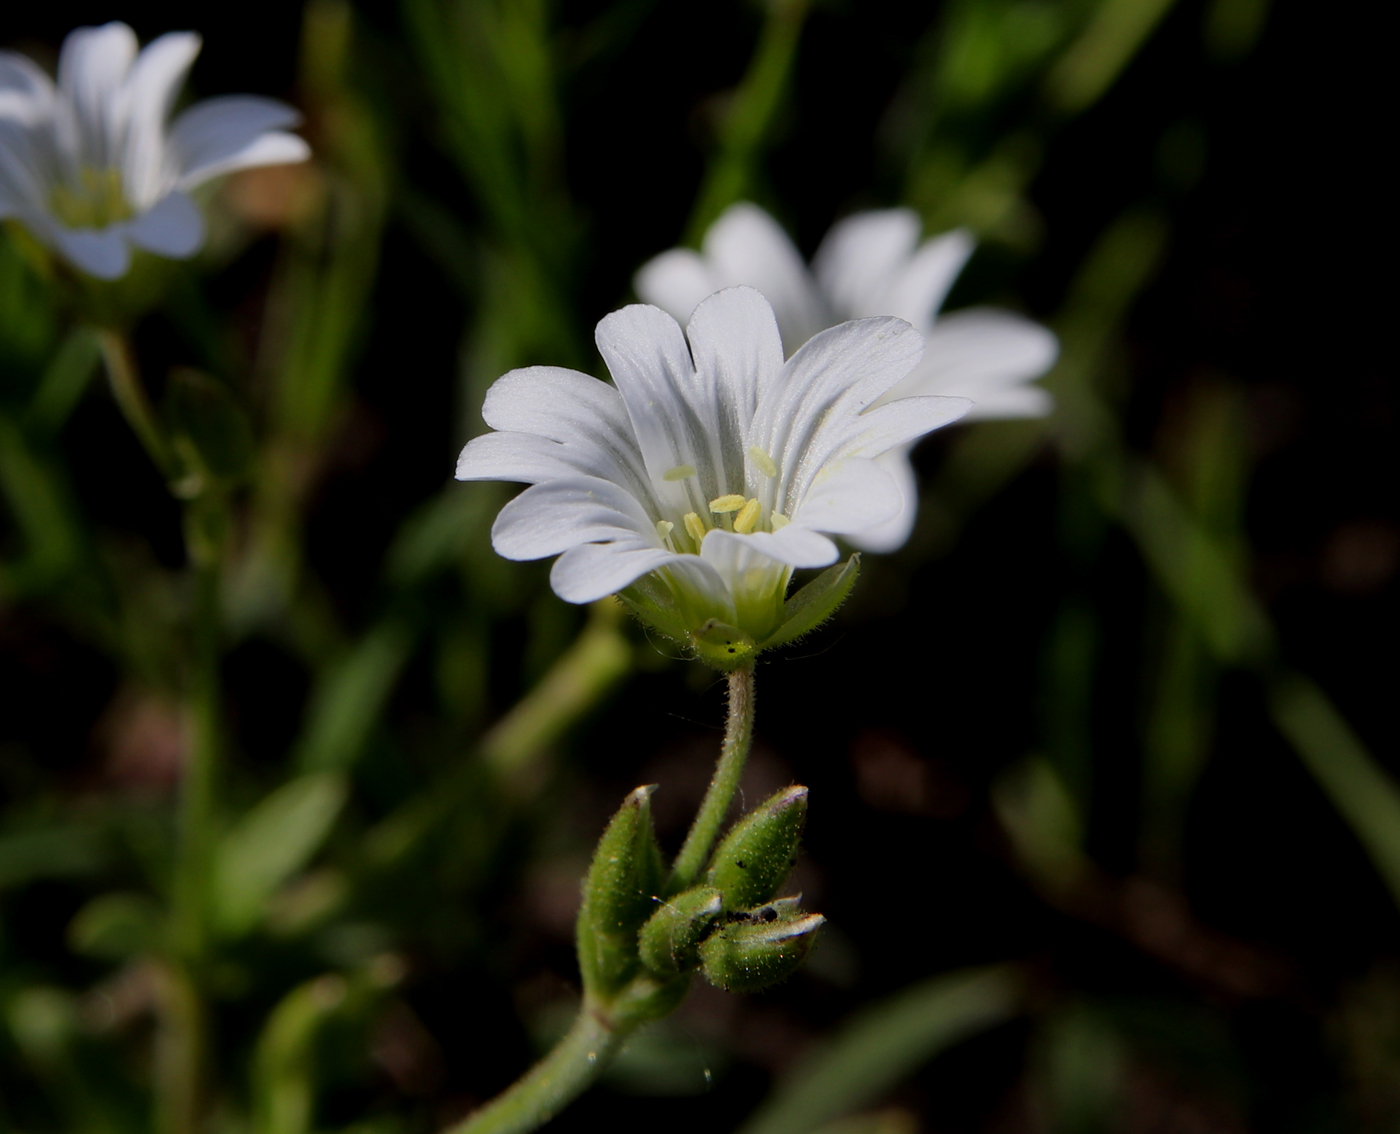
<point x="713" y="463"/>
<point x="91" y="167"/>
<point x="870" y="264"/>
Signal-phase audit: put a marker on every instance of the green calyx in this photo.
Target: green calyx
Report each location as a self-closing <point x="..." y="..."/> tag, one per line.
<point x="762" y="625"/>
<point x="752" y="861"/>
<point x="670" y="941"/>
<point x="759" y="948"/>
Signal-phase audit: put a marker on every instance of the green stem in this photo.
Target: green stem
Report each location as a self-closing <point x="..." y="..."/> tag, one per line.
<point x="132" y="399"/>
<point x="555" y="1081"/>
<point x="738" y="731"/>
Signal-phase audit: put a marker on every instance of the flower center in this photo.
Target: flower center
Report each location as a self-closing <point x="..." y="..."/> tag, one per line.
<point x="731" y="511"/>
<point x="95" y="201"/>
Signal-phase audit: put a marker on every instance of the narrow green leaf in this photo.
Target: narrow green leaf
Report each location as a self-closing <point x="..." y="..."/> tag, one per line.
<point x="206" y="422"/>
<point x="815" y="603"/>
<point x="270" y="844"/>
<point x="886" y="1043"/>
<point x="63" y="382"/>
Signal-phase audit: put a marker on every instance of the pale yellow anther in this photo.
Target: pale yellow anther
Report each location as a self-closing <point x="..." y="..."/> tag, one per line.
<point x="695" y="526"/>
<point x="779" y="521"/>
<point x="747" y="518"/>
<point x="664" y="529"/>
<point x="680" y="472"/>
<point x="763" y="462"/>
<point x="722" y="504"/>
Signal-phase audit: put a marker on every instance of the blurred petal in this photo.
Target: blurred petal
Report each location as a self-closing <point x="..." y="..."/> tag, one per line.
<point x="919" y="290"/>
<point x="861" y="256"/>
<point x="676" y="281"/>
<point x="219" y="135"/>
<point x="92" y="68"/>
<point x="26" y="93"/>
<point x="102" y="253"/>
<point x="747" y="246"/>
<point x="560" y="514"/>
<point x="172" y="227"/>
<point x="979" y="354"/>
<point x="151" y="87"/>
<point x="894" y="532"/>
<point x="1016" y="402"/>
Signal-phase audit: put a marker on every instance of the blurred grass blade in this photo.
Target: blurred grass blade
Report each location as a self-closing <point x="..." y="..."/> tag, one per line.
<point x="39" y="506"/>
<point x="284" y="1083"/>
<point x="886" y="1043"/>
<point x="270" y="844"/>
<point x="1106" y="46"/>
<point x="350" y="698"/>
<point x="1358" y="787"/>
<point x="63" y="382"/>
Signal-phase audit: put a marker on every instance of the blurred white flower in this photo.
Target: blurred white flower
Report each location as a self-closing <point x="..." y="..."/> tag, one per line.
<point x="714" y="463"/>
<point x="870" y="264"/>
<point x="90" y="165"/>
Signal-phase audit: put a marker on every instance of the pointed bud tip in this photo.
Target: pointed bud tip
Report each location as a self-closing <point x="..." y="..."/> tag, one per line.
<point x="638" y="796"/>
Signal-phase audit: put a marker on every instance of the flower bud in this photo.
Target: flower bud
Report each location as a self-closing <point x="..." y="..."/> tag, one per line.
<point x="759" y="951"/>
<point x="754" y="858"/>
<point x="670" y="940"/>
<point x="618" y="896"/>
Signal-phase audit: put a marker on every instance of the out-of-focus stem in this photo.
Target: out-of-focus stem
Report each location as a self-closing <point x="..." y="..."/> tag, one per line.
<point x="179" y="1051"/>
<point x="738" y="731"/>
<point x="132" y="399"/>
<point x="556" y="1080"/>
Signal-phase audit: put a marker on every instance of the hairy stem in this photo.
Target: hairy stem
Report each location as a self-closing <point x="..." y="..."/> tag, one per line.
<point x="555" y="1081"/>
<point x="738" y="731"/>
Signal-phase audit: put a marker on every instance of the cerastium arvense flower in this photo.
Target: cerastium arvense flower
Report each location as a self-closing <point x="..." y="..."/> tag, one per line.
<point x="693" y="488"/>
<point x="90" y="165"/>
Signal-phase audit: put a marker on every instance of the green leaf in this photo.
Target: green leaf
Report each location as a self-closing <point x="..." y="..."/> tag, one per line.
<point x="208" y="427"/>
<point x="270" y="844"/>
<point x="114" y="927"/>
<point x="754" y="858"/>
<point x="815" y="603"/>
<point x="63" y="382"/>
<point x="884" y="1044"/>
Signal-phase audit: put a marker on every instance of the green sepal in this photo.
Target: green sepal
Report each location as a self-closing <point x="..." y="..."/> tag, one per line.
<point x="655" y="606"/>
<point x="754" y="858"/>
<point x="619" y="895"/>
<point x="809" y="607"/>
<point x="669" y="942"/>
<point x="209" y="430"/>
<point x="722" y="646"/>
<point x="758" y="951"/>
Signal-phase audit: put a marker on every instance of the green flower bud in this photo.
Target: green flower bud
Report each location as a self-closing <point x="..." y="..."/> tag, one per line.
<point x="618" y="896"/>
<point x="754" y="858"/>
<point x="669" y="942"/>
<point x="758" y="951"/>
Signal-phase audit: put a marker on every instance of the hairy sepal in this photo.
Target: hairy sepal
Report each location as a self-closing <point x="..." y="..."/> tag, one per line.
<point x="813" y="604"/>
<point x="755" y="856"/>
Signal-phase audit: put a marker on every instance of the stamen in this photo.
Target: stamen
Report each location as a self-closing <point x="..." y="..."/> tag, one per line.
<point x="779" y="521"/>
<point x="747" y="518"/>
<point x="695" y="526"/>
<point x="763" y="462"/>
<point x="680" y="472"/>
<point x="722" y="504"/>
<point x="664" y="529"/>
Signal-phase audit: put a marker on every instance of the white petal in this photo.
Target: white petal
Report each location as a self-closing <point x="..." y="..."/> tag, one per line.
<point x="153" y="83"/>
<point x="810" y="412"/>
<point x="92" y="68"/>
<point x="26" y="93"/>
<point x="849" y="496"/>
<point x="1017" y="402"/>
<point x="894" y="532"/>
<point x="219" y="135"/>
<point x="860" y="258"/>
<point x="747" y="246"/>
<point x="738" y="358"/>
<point x="586" y="416"/>
<point x="595" y="570"/>
<point x="879" y="430"/>
<point x="676" y="281"/>
<point x="794" y="546"/>
<point x="102" y="253"/>
<point x="671" y="417"/>
<point x="979" y="353"/>
<point x="560" y="514"/>
<point x="22" y="188"/>
<point x="172" y="227"/>
<point x="523" y="457"/>
<point x="919" y="290"/>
